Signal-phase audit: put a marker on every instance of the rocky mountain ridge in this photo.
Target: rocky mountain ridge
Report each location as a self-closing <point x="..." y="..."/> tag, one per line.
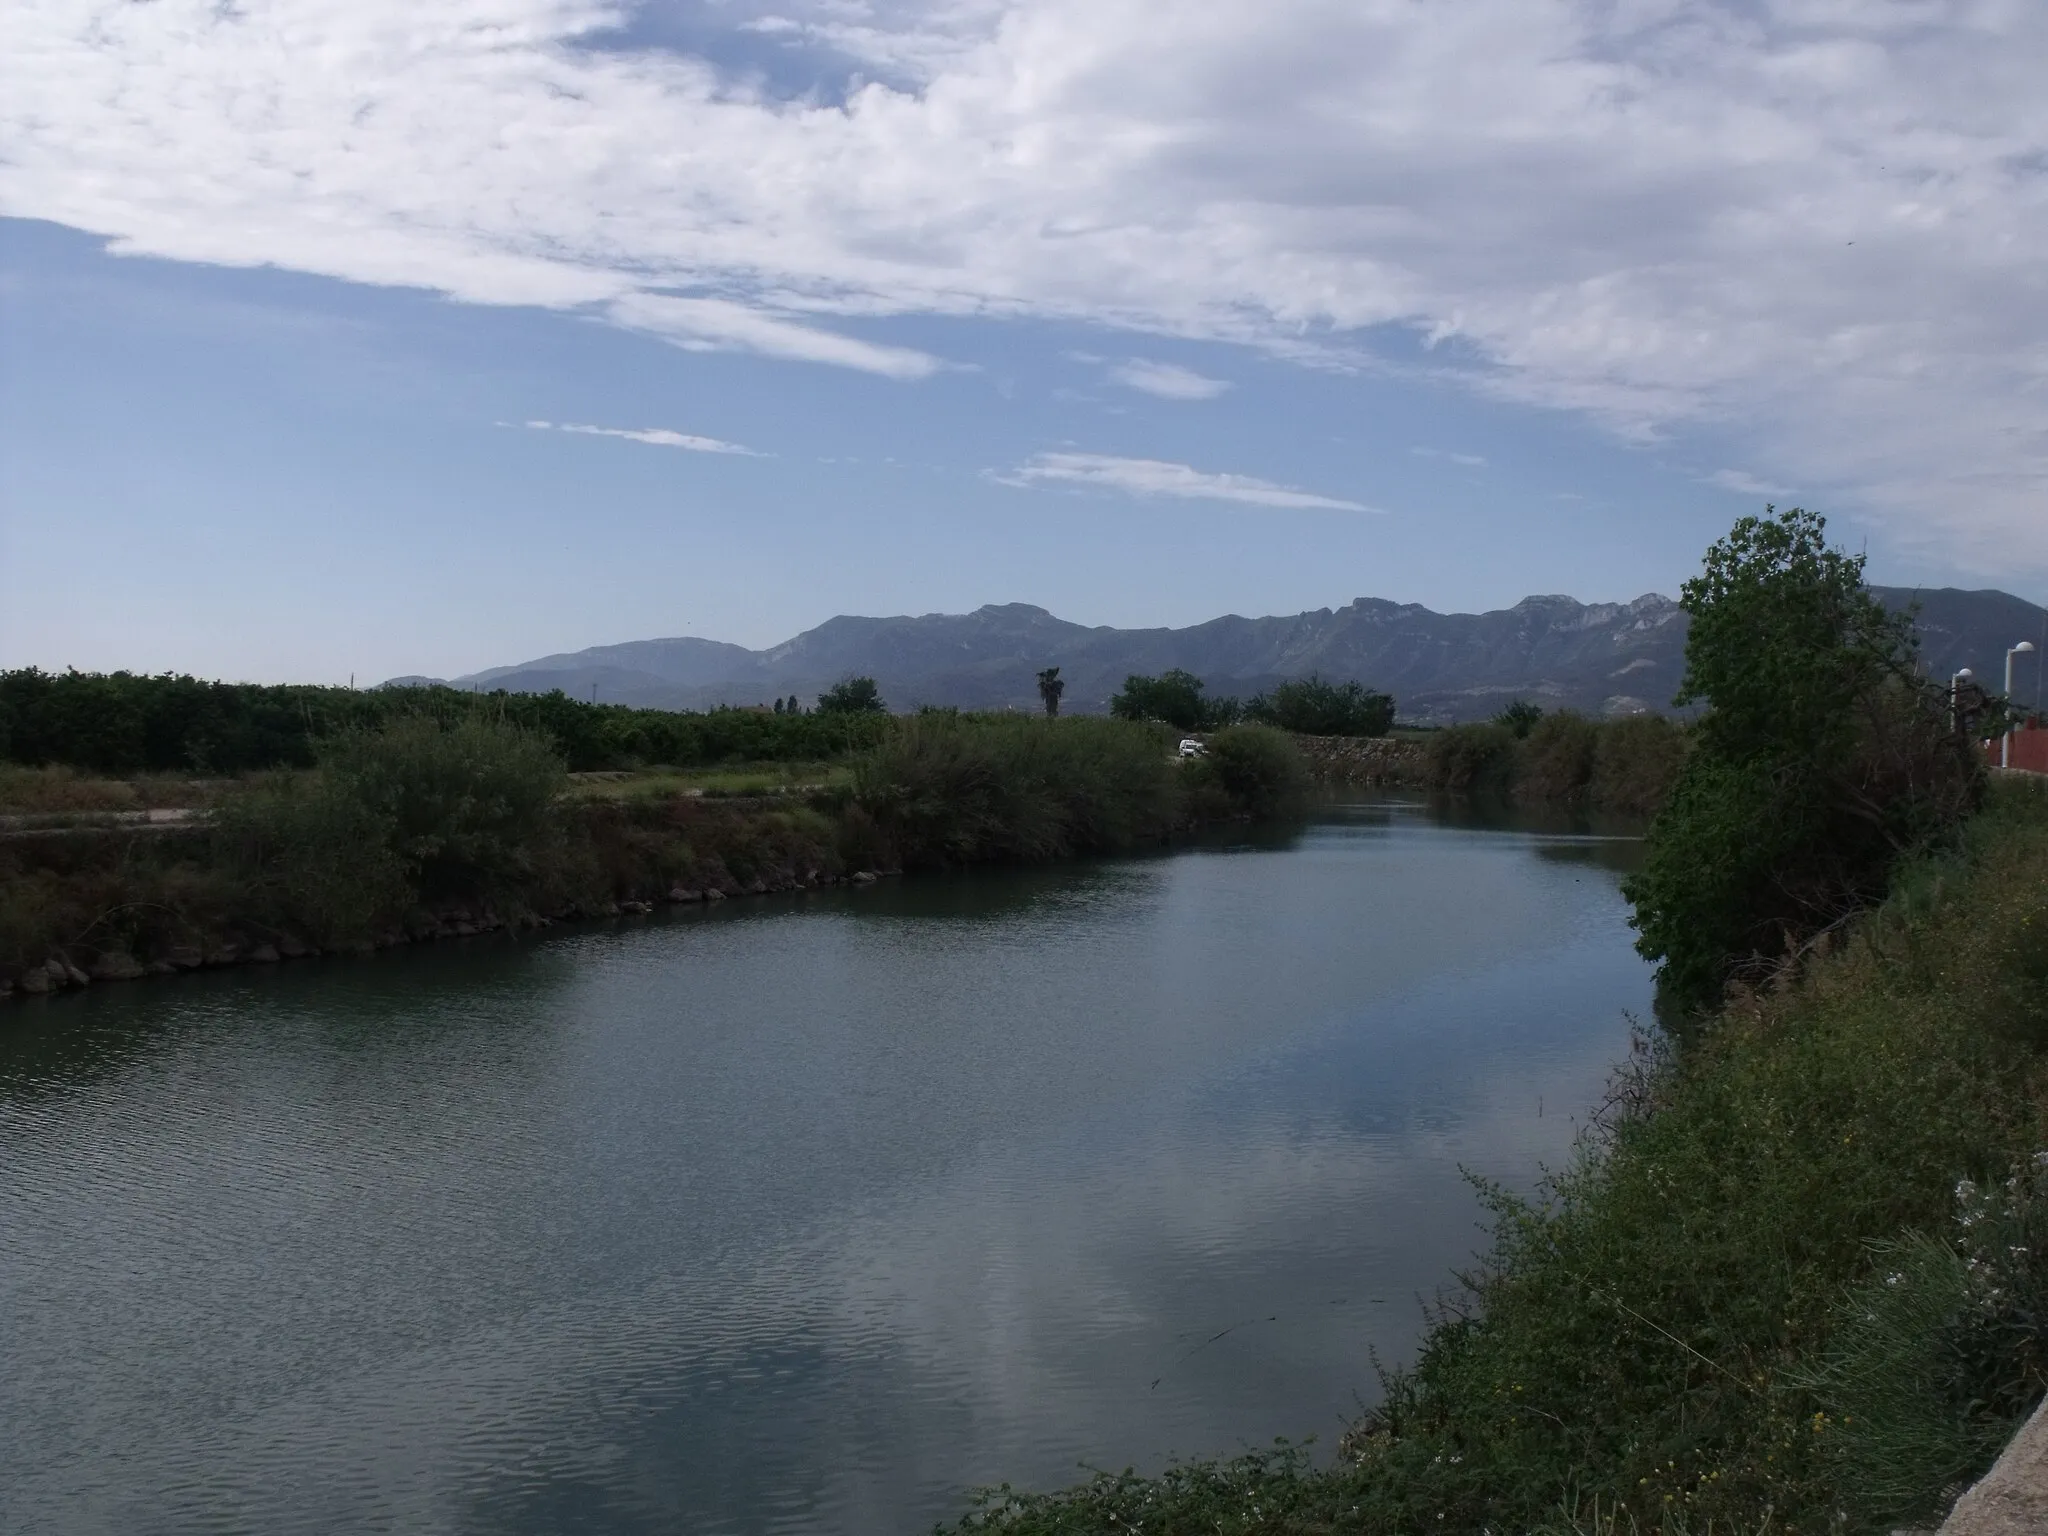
<point x="1603" y="658"/>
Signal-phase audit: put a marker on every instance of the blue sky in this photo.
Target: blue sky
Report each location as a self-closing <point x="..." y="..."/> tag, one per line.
<point x="342" y="341"/>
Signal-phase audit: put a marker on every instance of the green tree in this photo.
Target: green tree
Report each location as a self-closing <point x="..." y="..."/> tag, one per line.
<point x="852" y="696"/>
<point x="1822" y="758"/>
<point x="1050" y="687"/>
<point x="1175" y="697"/>
<point x="1520" y="717"/>
<point x="1310" y="706"/>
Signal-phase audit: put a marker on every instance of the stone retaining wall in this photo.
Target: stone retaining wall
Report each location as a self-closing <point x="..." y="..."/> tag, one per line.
<point x="1362" y="760"/>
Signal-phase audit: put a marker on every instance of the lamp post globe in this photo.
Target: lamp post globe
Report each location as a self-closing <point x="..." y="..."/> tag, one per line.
<point x="2024" y="648"/>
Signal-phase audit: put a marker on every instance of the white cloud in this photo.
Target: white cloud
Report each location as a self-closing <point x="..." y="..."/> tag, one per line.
<point x="1813" y="227"/>
<point x="1157" y="477"/>
<point x="1742" y="483"/>
<point x="658" y="437"/>
<point x="1469" y="460"/>
<point x="1166" y="380"/>
<point x="719" y="324"/>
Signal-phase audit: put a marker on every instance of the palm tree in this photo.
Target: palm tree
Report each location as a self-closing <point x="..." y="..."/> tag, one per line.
<point x="1049" y="689"/>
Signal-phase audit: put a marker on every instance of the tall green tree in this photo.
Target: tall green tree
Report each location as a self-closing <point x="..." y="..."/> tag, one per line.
<point x="852" y="696"/>
<point x="1822" y="757"/>
<point x="1176" y="697"/>
<point x="1050" y="686"/>
<point x="1312" y="706"/>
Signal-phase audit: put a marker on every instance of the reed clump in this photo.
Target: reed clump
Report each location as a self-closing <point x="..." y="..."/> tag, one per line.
<point x="946" y="789"/>
<point x="1624" y="765"/>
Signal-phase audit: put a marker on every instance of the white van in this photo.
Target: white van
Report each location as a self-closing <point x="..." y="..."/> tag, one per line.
<point x="1189" y="747"/>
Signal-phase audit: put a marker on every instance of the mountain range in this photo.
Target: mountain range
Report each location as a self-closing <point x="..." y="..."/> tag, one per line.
<point x="1603" y="658"/>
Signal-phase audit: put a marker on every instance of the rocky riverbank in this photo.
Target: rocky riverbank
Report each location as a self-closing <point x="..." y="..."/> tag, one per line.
<point x="1388" y="760"/>
<point x="98" y="904"/>
<point x="252" y="943"/>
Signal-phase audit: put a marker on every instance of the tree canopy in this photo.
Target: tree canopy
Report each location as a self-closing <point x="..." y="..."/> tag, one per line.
<point x="1176" y="697"/>
<point x="1821" y="759"/>
<point x="122" y="722"/>
<point x="1313" y="706"/>
<point x="852" y="696"/>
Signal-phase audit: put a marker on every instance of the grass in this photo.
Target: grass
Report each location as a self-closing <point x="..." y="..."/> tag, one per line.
<point x="58" y="791"/>
<point x="1667" y="1340"/>
<point x="735" y="779"/>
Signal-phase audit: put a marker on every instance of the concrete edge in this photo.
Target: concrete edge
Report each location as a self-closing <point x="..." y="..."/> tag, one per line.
<point x="2012" y="1498"/>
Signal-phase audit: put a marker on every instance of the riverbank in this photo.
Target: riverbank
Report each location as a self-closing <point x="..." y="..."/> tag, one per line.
<point x="1792" y="1282"/>
<point x="197" y="939"/>
<point x="424" y="831"/>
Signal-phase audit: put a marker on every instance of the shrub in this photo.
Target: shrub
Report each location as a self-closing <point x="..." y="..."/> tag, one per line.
<point x="1519" y="717"/>
<point x="1624" y="765"/>
<point x="1557" y="756"/>
<point x="33" y="914"/>
<point x="626" y="849"/>
<point x="1310" y="706"/>
<point x="957" y="790"/>
<point x="1939" y="1353"/>
<point x="140" y="892"/>
<point x="466" y="805"/>
<point x="1636" y="760"/>
<point x="313" y="856"/>
<point x="1257" y="768"/>
<point x="1470" y="758"/>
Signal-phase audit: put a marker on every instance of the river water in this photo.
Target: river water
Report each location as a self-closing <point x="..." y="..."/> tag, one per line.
<point x="799" y="1214"/>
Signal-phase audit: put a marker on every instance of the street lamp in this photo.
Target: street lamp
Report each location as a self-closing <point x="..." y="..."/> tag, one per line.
<point x="1955" y="697"/>
<point x="2024" y="648"/>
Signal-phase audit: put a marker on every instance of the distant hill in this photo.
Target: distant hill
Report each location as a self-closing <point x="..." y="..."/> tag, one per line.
<point x="1604" y="658"/>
